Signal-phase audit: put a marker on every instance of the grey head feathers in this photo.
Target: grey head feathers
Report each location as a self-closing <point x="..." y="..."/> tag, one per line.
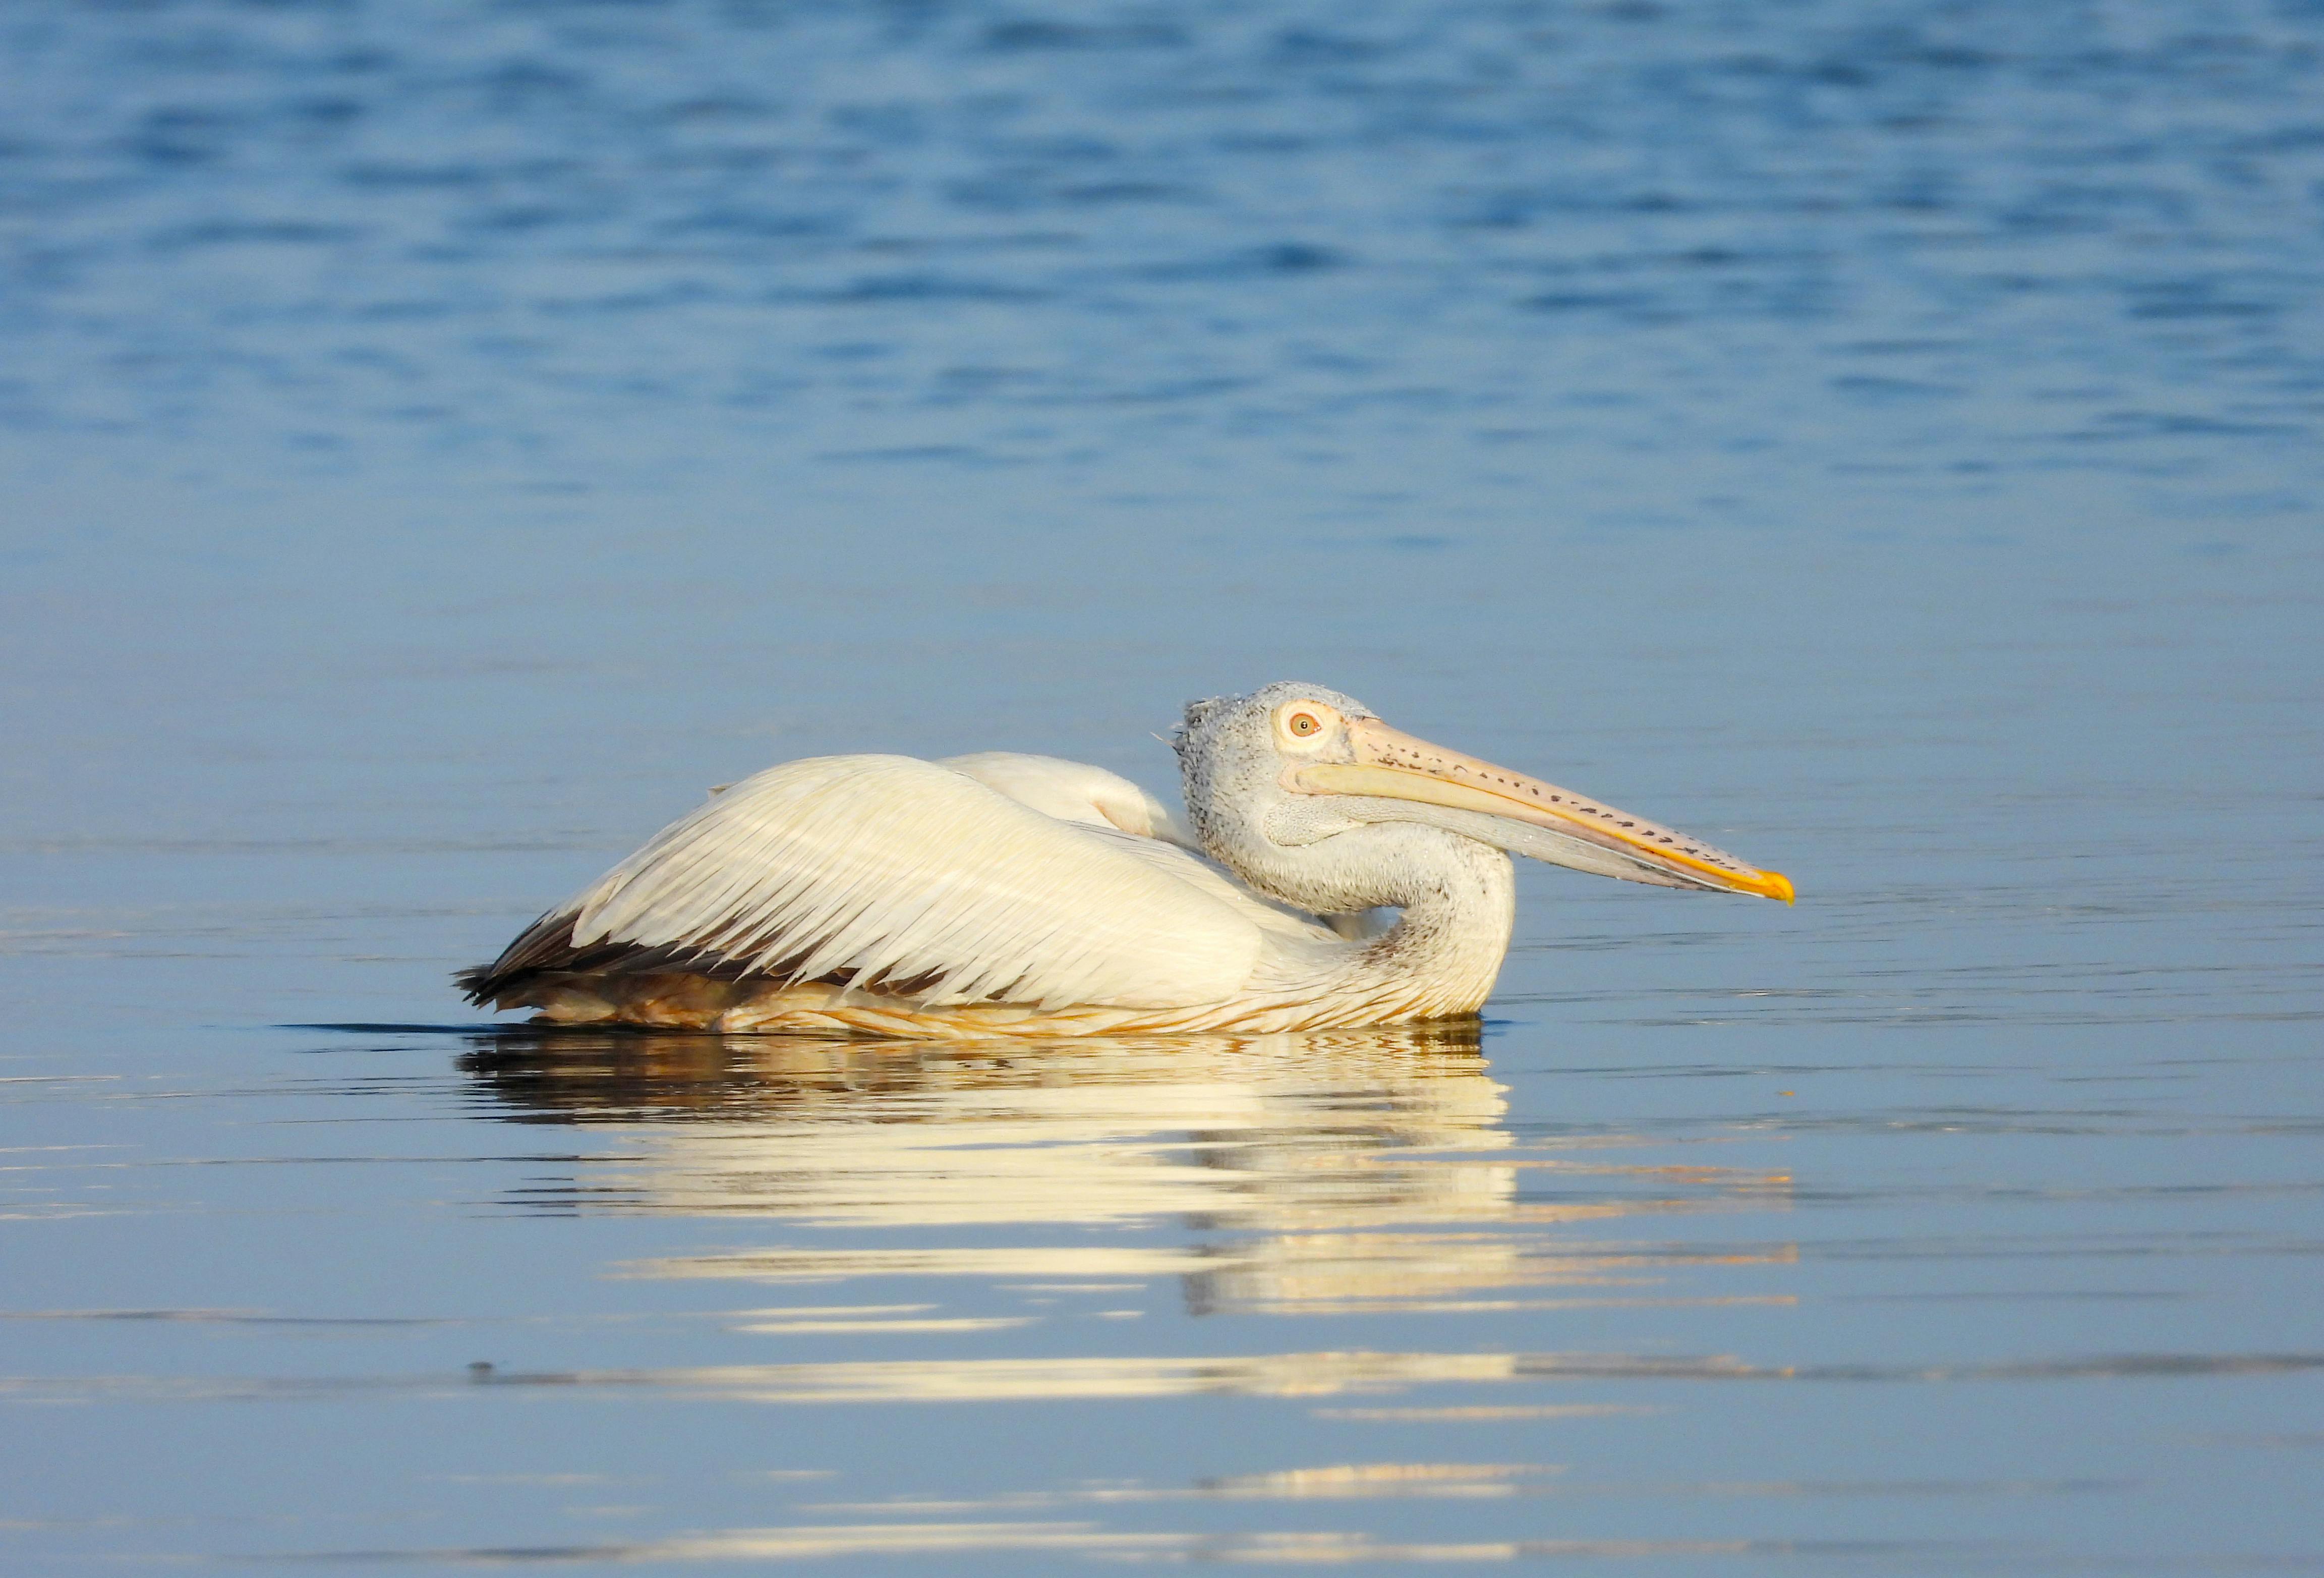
<point x="1205" y="718"/>
<point x="1229" y="767"/>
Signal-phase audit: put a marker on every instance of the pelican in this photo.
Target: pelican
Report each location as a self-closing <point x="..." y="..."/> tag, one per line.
<point x="1332" y="872"/>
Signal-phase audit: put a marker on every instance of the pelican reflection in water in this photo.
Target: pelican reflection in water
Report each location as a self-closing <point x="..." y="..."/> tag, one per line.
<point x="1003" y="895"/>
<point x="1328" y="1172"/>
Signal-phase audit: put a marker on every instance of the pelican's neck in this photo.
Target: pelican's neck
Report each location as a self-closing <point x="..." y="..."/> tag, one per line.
<point x="1456" y="925"/>
<point x="1459" y="899"/>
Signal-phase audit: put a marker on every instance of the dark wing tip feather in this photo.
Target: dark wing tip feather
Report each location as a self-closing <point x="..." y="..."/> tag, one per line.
<point x="534" y="948"/>
<point x="547" y="947"/>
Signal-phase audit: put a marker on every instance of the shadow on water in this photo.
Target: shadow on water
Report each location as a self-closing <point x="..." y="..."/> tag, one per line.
<point x="582" y="1074"/>
<point x="1322" y="1174"/>
<point x="1327" y="1297"/>
<point x="956" y="1242"/>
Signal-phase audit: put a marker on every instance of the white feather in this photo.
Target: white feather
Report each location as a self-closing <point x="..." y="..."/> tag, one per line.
<point x="1136" y="822"/>
<point x="898" y="870"/>
<point x="1073" y="791"/>
<point x="1209" y="876"/>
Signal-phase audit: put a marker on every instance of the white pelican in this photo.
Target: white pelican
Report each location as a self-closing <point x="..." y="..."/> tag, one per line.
<point x="1004" y="895"/>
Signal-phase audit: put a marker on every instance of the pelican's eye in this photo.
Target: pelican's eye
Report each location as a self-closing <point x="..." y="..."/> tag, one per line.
<point x="1303" y="723"/>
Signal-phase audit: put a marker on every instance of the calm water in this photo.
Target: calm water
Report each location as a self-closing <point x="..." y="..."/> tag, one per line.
<point x="439" y="439"/>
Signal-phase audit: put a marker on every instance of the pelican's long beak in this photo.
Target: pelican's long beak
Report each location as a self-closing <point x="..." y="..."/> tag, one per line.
<point x="1583" y="833"/>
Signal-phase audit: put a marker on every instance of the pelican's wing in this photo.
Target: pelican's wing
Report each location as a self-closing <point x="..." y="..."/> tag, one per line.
<point x="1073" y="791"/>
<point x="1133" y="821"/>
<point x="1208" y="876"/>
<point x="1125" y="816"/>
<point x="899" y="874"/>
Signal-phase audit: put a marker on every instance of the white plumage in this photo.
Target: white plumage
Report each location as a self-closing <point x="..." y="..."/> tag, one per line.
<point x="897" y="871"/>
<point x="1024" y="895"/>
<point x="1073" y="791"/>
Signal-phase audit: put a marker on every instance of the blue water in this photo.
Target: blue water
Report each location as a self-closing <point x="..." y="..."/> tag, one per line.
<point x="438" y="441"/>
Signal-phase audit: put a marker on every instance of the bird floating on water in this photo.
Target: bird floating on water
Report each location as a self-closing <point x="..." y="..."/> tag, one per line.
<point x="1337" y="873"/>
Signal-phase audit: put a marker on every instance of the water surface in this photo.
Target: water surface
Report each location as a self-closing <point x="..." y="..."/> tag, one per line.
<point x="442" y="439"/>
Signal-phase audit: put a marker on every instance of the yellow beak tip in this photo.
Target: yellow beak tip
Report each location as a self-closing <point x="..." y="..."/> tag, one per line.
<point x="1778" y="886"/>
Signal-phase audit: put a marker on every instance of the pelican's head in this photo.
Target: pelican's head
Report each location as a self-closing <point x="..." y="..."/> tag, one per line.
<point x="1308" y="796"/>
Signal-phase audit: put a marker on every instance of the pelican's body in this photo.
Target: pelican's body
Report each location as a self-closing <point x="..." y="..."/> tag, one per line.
<point x="1004" y="895"/>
